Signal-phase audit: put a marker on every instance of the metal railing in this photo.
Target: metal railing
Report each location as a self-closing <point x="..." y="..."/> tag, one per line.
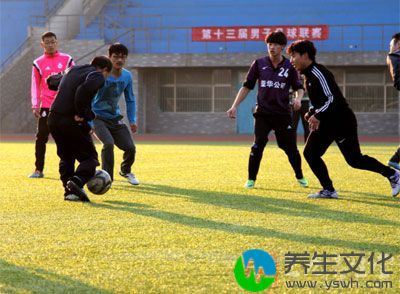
<point x="49" y="11"/>
<point x="167" y="40"/>
<point x="342" y="38"/>
<point x="128" y="33"/>
<point x="17" y="52"/>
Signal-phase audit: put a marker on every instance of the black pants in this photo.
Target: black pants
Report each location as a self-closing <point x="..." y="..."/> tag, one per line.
<point x="74" y="142"/>
<point x="396" y="156"/>
<point x="42" y="136"/>
<point x="110" y="133"/>
<point x="299" y="115"/>
<point x="342" y="130"/>
<point x="285" y="136"/>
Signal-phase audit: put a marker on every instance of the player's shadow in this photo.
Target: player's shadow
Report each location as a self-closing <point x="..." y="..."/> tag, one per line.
<point x="18" y="279"/>
<point x="395" y="205"/>
<point x="264" y="204"/>
<point x="363" y="195"/>
<point x="369" y="195"/>
<point x="203" y="223"/>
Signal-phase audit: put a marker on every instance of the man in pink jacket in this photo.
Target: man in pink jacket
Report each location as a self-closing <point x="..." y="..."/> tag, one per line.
<point x="51" y="62"/>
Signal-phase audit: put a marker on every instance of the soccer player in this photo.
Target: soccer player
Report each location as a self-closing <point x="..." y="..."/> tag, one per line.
<point x="331" y="119"/>
<point x="275" y="76"/>
<point x="68" y="124"/>
<point x="393" y="61"/>
<point x="51" y="62"/>
<point x="108" y="124"/>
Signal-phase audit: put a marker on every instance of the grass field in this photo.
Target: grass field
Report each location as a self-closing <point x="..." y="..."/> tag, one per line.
<point x="184" y="227"/>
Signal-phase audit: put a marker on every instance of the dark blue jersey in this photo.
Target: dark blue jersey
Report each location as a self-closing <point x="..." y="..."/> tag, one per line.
<point x="273" y="84"/>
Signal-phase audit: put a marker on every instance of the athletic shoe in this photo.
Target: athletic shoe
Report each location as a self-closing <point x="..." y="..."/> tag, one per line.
<point x="131" y="178"/>
<point x="324" y="194"/>
<point x="78" y="191"/>
<point x="36" y="174"/>
<point x="394" y="165"/>
<point x="303" y="182"/>
<point x="249" y="184"/>
<point x="71" y="197"/>
<point x="395" y="183"/>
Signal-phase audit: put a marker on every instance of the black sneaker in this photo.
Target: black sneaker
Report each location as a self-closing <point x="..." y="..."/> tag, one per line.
<point x="78" y="191"/>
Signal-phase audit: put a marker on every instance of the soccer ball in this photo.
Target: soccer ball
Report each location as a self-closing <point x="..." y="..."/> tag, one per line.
<point x="100" y="183"/>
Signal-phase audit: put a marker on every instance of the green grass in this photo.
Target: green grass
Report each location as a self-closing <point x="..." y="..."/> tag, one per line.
<point x="184" y="227"/>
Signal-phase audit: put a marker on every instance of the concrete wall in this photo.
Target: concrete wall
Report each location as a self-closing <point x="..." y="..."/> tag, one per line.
<point x="378" y="124"/>
<point x="158" y="122"/>
<point x="245" y="59"/>
<point x="15" y="102"/>
<point x="155" y="121"/>
<point x="65" y="23"/>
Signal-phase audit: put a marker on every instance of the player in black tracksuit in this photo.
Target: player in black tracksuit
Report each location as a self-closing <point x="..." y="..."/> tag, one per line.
<point x="68" y="124"/>
<point x="331" y="119"/>
<point x="393" y="62"/>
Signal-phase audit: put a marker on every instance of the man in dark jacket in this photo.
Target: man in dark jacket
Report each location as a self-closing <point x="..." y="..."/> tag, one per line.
<point x="331" y="119"/>
<point x="68" y="124"/>
<point x="393" y="61"/>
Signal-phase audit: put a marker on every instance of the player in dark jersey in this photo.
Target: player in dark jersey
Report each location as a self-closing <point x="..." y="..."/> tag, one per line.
<point x="68" y="124"/>
<point x="331" y="119"/>
<point x="275" y="76"/>
<point x="393" y="62"/>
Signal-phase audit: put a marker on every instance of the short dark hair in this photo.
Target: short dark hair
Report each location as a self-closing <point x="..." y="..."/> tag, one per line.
<point x="102" y="62"/>
<point x="48" y="35"/>
<point x="117" y="48"/>
<point x="277" y="38"/>
<point x="396" y="37"/>
<point x="301" y="47"/>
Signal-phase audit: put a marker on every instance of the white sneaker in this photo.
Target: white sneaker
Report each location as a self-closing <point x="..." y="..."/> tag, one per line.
<point x="324" y="194"/>
<point x="71" y="197"/>
<point x="395" y="183"/>
<point x="131" y="178"/>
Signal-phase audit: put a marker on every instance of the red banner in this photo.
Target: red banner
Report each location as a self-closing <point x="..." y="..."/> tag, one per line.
<point x="258" y="33"/>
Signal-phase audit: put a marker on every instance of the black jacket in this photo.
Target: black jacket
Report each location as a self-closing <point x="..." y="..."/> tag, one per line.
<point x="326" y="98"/>
<point x="394" y="59"/>
<point x="76" y="90"/>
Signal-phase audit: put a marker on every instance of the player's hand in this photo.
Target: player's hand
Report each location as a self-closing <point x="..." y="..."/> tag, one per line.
<point x="313" y="123"/>
<point x="307" y="116"/>
<point x="231" y="112"/>
<point x="78" y="118"/>
<point x="133" y="128"/>
<point x="296" y="104"/>
<point x="36" y="112"/>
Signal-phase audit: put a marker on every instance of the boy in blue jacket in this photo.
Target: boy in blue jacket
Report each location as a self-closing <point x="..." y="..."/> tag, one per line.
<point x="108" y="124"/>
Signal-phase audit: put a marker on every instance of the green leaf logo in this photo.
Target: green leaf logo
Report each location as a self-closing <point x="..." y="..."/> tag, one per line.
<point x="255" y="270"/>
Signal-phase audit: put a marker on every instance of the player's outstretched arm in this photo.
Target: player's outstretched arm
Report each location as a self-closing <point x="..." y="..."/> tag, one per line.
<point x="241" y="95"/>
